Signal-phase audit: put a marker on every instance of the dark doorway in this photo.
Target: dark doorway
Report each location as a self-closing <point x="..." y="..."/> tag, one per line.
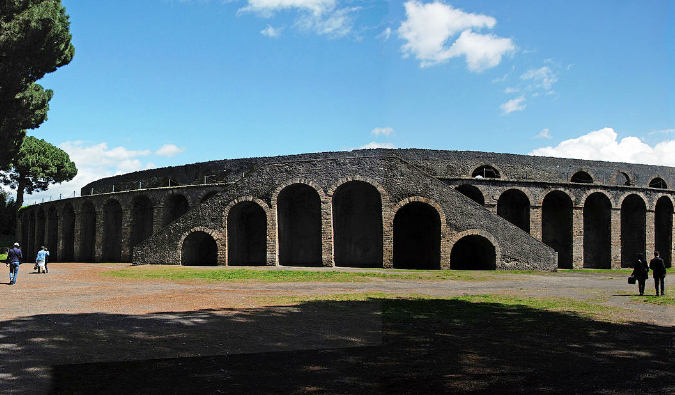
<point x="472" y="193"/>
<point x="597" y="232"/>
<point x="663" y="229"/>
<point x="556" y="226"/>
<point x="246" y="235"/>
<point x="473" y="252"/>
<point x="88" y="233"/>
<point x="68" y="234"/>
<point x="175" y="206"/>
<point x="199" y="249"/>
<point x="142" y="217"/>
<point x="112" y="231"/>
<point x="357" y="225"/>
<point x="633" y="223"/>
<point x="514" y="206"/>
<point x="53" y="234"/>
<point x="299" y="214"/>
<point x="417" y="237"/>
<point x="39" y="231"/>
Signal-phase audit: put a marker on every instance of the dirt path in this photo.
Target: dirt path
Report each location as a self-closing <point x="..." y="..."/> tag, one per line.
<point x="74" y="315"/>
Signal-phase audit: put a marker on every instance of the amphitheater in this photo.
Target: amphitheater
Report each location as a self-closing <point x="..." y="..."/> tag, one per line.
<point x="382" y="208"/>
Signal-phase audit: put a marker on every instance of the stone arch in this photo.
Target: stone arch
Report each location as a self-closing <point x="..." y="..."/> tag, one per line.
<point x="472" y="192"/>
<point x="299" y="225"/>
<point x="88" y="232"/>
<point x="514" y="206"/>
<point x="24" y="220"/>
<point x="663" y="229"/>
<point x="623" y="178"/>
<point x="40" y="230"/>
<point x="658" y="182"/>
<point x="357" y="225"/>
<point x="597" y="216"/>
<point x="486" y="171"/>
<point x="67" y="233"/>
<point x="199" y="248"/>
<point x="142" y="219"/>
<point x="52" y="241"/>
<point x="112" y="231"/>
<point x="474" y="251"/>
<point x="633" y="229"/>
<point x="556" y="226"/>
<point x="175" y="205"/>
<point x="582" y="176"/>
<point x="417" y="235"/>
<point x="246" y="233"/>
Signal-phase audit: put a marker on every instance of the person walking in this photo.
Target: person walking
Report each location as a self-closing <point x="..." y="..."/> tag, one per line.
<point x="14" y="258"/>
<point x="658" y="267"/>
<point x="46" y="259"/>
<point x="41" y="260"/>
<point x="640" y="272"/>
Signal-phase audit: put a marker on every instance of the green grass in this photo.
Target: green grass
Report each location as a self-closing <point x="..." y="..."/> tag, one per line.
<point x="280" y="275"/>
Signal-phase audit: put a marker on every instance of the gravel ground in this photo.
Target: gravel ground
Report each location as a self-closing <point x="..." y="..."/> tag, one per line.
<point x="73" y="315"/>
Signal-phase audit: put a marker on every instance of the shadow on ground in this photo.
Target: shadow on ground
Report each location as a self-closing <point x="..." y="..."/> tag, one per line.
<point x="374" y="347"/>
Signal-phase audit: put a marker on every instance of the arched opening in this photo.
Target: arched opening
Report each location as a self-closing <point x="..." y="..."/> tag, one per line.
<point x="472" y="193"/>
<point x="175" y="206"/>
<point x="514" y="206"/>
<point x="473" y="252"/>
<point x="623" y="178"/>
<point x="25" y="228"/>
<point x="633" y="232"/>
<point x="597" y="232"/>
<point x="199" y="249"/>
<point x="663" y="229"/>
<point x="68" y="234"/>
<point x="53" y="234"/>
<point x="417" y="237"/>
<point x="246" y="235"/>
<point x="30" y="245"/>
<point x="40" y="227"/>
<point x="112" y="231"/>
<point x="582" y="177"/>
<point x="357" y="225"/>
<point x="142" y="214"/>
<point x="299" y="215"/>
<point x="88" y="233"/>
<point x="658" y="182"/>
<point x="208" y="195"/>
<point x="485" y="171"/>
<point x="556" y="226"/>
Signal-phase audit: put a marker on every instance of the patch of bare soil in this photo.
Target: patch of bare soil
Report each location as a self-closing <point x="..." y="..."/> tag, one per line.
<point x="73" y="331"/>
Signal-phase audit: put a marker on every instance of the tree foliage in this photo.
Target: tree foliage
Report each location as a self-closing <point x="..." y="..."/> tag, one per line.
<point x="37" y="165"/>
<point x="34" y="40"/>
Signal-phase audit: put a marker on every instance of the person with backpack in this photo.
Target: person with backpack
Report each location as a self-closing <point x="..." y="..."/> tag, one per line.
<point x="640" y="271"/>
<point x="658" y="267"/>
<point x="14" y="258"/>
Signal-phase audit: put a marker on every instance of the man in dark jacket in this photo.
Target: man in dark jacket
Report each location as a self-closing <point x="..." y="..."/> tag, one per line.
<point x="658" y="272"/>
<point x="640" y="271"/>
<point x="14" y="258"/>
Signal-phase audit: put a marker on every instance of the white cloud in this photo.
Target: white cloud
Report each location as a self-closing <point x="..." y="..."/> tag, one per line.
<point x="373" y="145"/>
<point x="269" y="31"/>
<point x="382" y="131"/>
<point x="543" y="134"/>
<point x="385" y="34"/>
<point x="512" y="105"/>
<point x="603" y="145"/>
<point x="542" y="78"/>
<point x="320" y="16"/>
<point x="169" y="150"/>
<point x="429" y="27"/>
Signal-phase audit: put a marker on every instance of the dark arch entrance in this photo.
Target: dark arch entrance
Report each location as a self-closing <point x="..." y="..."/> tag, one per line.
<point x="199" y="249"/>
<point x="299" y="214"/>
<point x="633" y="222"/>
<point x="473" y="252"/>
<point x="357" y="225"/>
<point x="514" y="206"/>
<point x="597" y="232"/>
<point x="417" y="237"/>
<point x="53" y="234"/>
<point x="663" y="229"/>
<point x="68" y="234"/>
<point x="112" y="231"/>
<point x="472" y="193"/>
<point x="175" y="206"/>
<point x="556" y="226"/>
<point x="39" y="231"/>
<point x="246" y="235"/>
<point x="141" y="221"/>
<point x="25" y="225"/>
<point x="88" y="235"/>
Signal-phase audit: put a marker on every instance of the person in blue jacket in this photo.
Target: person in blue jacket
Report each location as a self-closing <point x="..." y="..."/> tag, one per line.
<point x="14" y="258"/>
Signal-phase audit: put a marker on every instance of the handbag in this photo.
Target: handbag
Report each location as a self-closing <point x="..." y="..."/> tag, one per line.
<point x="631" y="279"/>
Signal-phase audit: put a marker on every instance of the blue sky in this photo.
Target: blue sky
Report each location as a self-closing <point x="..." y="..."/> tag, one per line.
<point x="159" y="83"/>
